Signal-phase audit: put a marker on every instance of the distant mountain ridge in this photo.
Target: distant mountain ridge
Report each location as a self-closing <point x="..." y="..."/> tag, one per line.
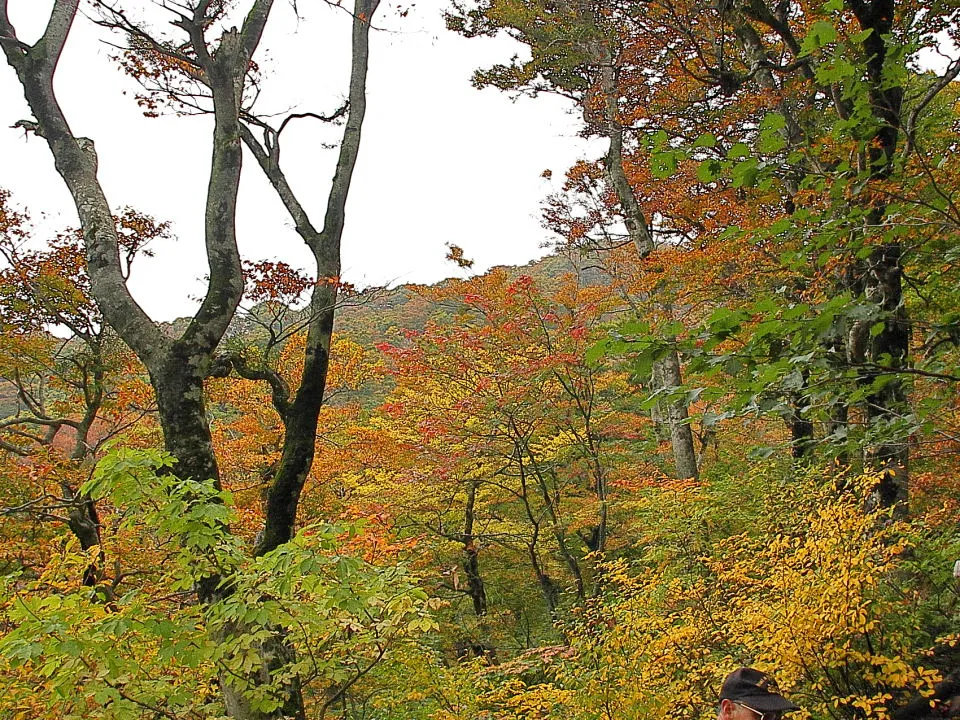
<point x="376" y="314"/>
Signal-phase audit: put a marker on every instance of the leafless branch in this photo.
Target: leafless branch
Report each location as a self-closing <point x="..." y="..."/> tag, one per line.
<point x="953" y="70"/>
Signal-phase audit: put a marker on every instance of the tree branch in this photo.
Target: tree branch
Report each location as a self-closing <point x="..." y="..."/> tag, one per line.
<point x="8" y="35"/>
<point x="253" y="26"/>
<point x="906" y="371"/>
<point x="349" y="148"/>
<point x="336" y="115"/>
<point x="44" y="422"/>
<point x="14" y="449"/>
<point x="50" y="46"/>
<point x="908" y="127"/>
<point x="268" y="158"/>
<point x="223" y="364"/>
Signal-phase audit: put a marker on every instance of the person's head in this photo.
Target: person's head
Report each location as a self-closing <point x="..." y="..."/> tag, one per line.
<point x="748" y="694"/>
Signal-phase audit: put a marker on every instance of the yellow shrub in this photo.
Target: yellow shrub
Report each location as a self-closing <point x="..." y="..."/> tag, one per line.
<point x="801" y="592"/>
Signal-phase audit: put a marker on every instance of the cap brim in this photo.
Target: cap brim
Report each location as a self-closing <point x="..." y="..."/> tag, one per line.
<point x="769" y="703"/>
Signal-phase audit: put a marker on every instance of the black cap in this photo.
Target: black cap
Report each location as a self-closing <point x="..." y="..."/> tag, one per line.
<point x="755" y="690"/>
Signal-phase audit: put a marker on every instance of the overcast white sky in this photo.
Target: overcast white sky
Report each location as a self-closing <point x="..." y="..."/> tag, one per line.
<point x="441" y="162"/>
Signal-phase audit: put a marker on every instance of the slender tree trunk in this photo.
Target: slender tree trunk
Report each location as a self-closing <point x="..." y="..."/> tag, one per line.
<point x="84" y="521"/>
<point x="598" y="540"/>
<point x="801" y="428"/>
<point x="471" y="551"/>
<point x="550" y="506"/>
<point x="681" y="436"/>
<point x="674" y="415"/>
<point x="887" y="406"/>
<point x="300" y="417"/>
<point x="300" y="425"/>
<point x="638" y="229"/>
<point x="558" y="531"/>
<point x="658" y="413"/>
<point x="548" y="588"/>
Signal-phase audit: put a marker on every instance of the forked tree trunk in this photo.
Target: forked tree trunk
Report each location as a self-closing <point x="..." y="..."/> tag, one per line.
<point x="177" y="367"/>
<point x="300" y="416"/>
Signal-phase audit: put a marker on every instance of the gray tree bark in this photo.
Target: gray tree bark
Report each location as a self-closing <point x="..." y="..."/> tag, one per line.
<point x="300" y="414"/>
<point x="177" y="367"/>
<point x="678" y="419"/>
<point x="673" y="414"/>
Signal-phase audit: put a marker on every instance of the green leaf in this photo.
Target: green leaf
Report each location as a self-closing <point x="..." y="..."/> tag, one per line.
<point x="672" y="329"/>
<point x="709" y="171"/>
<point x="821" y="33"/>
<point x="705" y="140"/>
<point x="659" y="139"/>
<point x="745" y="173"/>
<point x="781" y="226"/>
<point x="773" y="121"/>
<point x="598" y="351"/>
<point x="795" y="311"/>
<point x="731" y="233"/>
<point x="765" y="306"/>
<point x="663" y="164"/>
<point x="771" y="142"/>
<point x="838" y="70"/>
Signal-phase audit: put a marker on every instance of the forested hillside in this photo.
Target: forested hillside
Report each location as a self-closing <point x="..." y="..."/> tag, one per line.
<point x="717" y="426"/>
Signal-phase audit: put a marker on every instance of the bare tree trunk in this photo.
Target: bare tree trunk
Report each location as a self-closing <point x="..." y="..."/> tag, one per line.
<point x="471" y="561"/>
<point x="681" y="436"/>
<point x="177" y="367"/>
<point x="300" y="415"/>
<point x="637" y="227"/>
<point x="658" y="413"/>
<point x="673" y="414"/>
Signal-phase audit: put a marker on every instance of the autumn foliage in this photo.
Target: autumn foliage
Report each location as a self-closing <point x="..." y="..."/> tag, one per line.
<point x="717" y="427"/>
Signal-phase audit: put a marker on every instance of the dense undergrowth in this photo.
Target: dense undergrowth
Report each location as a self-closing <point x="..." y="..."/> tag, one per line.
<point x="855" y="613"/>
